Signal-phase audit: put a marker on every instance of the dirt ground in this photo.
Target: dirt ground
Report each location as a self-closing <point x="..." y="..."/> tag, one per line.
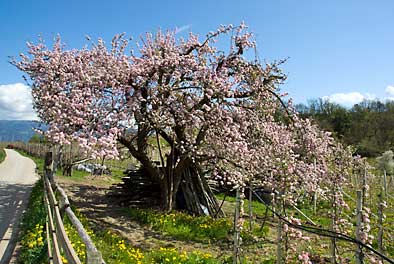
<point x="91" y="198"/>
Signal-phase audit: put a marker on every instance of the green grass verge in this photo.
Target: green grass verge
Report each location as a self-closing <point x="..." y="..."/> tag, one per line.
<point x="2" y="154"/>
<point x="33" y="239"/>
<point x="76" y="174"/>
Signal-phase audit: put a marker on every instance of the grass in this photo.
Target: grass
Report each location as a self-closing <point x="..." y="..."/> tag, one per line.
<point x="33" y="239"/>
<point x="2" y="154"/>
<point x="116" y="250"/>
<point x="113" y="247"/>
<point x="258" y="208"/>
<point x="206" y="230"/>
<point x="183" y="226"/>
<point x="77" y="175"/>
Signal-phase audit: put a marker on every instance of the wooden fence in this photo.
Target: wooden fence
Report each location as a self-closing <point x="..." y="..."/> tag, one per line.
<point x="58" y="241"/>
<point x="73" y="154"/>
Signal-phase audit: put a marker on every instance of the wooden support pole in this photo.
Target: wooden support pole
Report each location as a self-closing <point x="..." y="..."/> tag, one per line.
<point x="359" y="253"/>
<point x="304" y="215"/>
<point x="348" y="196"/>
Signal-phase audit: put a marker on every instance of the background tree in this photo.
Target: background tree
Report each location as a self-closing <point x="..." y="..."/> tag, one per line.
<point x="368" y="126"/>
<point x="37" y="138"/>
<point x="386" y="162"/>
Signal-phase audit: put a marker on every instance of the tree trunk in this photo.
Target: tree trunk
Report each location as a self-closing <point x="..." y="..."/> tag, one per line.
<point x="67" y="170"/>
<point x="190" y="191"/>
<point x="182" y="183"/>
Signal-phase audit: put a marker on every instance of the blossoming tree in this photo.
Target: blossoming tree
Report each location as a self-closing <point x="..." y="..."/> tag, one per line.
<point x="220" y="113"/>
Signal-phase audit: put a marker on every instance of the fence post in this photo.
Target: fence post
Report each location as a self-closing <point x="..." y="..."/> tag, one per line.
<point x="359" y="252"/>
<point x="63" y="204"/>
<point x="48" y="166"/>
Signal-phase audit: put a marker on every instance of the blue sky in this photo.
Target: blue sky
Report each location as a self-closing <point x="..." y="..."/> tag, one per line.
<point x="338" y="49"/>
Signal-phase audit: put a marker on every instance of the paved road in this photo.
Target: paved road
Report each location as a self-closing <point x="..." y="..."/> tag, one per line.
<point x="17" y="176"/>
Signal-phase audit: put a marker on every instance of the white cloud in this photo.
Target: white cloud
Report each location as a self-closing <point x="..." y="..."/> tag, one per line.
<point x="349" y="99"/>
<point x="182" y="28"/>
<point x="390" y="90"/>
<point x="16" y="102"/>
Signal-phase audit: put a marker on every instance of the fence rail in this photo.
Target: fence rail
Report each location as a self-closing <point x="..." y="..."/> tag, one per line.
<point x="58" y="241"/>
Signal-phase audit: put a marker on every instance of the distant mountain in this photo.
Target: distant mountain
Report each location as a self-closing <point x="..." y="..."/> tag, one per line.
<point x="17" y="130"/>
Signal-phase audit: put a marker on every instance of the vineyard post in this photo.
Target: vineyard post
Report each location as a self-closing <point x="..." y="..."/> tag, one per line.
<point x="359" y="253"/>
<point x="333" y="222"/>
<point x="391" y="180"/>
<point x="364" y="187"/>
<point x="70" y="158"/>
<point x="355" y="176"/>
<point x="314" y="203"/>
<point x="236" y="228"/>
<point x="279" y="242"/>
<point x="381" y="199"/>
<point x="250" y="206"/>
<point x="314" y="193"/>
<point x="385" y="182"/>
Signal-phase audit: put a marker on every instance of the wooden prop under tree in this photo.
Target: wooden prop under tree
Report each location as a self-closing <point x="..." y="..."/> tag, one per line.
<point x="182" y="186"/>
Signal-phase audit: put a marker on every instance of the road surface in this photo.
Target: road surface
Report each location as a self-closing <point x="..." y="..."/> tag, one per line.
<point x="17" y="176"/>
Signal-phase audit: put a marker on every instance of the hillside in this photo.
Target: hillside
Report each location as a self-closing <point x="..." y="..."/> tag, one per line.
<point x="368" y="126"/>
<point x="17" y="130"/>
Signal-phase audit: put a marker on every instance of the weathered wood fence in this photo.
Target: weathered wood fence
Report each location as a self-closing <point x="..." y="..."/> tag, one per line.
<point x="58" y="241"/>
